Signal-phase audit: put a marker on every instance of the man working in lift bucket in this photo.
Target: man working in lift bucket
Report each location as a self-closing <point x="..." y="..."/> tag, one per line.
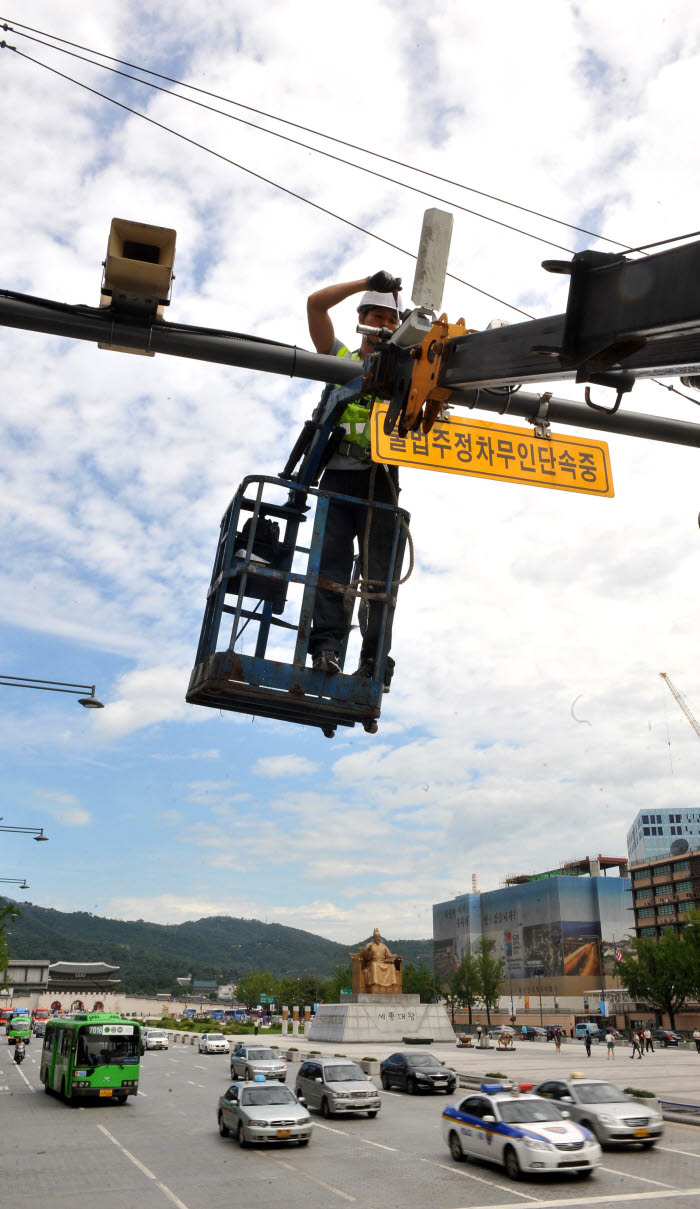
<point x="350" y="471"/>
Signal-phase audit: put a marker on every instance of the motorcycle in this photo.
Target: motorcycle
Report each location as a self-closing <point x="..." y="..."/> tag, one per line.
<point x="19" y="1053"/>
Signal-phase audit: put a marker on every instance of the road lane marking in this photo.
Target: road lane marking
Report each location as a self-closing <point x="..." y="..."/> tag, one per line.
<point x="198" y="1067"/>
<point x="142" y="1093"/>
<point x="694" y="1154"/>
<point x="330" y="1129"/>
<point x="177" y="1061"/>
<point x="469" y="1175"/>
<point x="313" y="1178"/>
<point x="603" y="1199"/>
<point x="26" y="1080"/>
<point x="632" y="1175"/>
<point x="144" y="1170"/>
<point x="379" y="1145"/>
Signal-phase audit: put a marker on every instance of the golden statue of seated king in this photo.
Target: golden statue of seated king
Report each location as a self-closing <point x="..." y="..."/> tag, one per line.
<point x="376" y="971"/>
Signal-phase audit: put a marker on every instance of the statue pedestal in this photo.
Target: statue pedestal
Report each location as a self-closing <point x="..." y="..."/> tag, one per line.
<point x="381" y="1018"/>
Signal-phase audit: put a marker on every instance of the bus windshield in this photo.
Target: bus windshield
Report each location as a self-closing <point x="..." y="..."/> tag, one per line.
<point x="95" y="1050"/>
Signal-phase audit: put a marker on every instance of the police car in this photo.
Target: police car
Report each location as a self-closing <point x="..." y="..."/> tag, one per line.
<point x="522" y="1132"/>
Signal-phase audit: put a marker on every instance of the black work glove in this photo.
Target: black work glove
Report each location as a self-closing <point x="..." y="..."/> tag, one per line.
<point x="384" y="283"/>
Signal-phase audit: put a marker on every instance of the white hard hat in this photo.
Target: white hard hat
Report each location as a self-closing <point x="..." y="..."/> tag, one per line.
<point x="371" y="299"/>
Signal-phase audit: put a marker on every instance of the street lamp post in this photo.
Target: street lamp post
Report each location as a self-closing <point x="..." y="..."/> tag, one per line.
<point x="56" y="686"/>
<point x="20" y="881"/>
<point x="37" y="832"/>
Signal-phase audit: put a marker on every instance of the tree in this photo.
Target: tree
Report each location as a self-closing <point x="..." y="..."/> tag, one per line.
<point x="491" y="974"/>
<point x="451" y="989"/>
<point x="8" y="911"/>
<point x="662" y="972"/>
<point x="417" y="981"/>
<point x="470" y="979"/>
<point x="329" y="990"/>
<point x="251" y="986"/>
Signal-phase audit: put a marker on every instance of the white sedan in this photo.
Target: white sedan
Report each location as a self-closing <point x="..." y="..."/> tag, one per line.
<point x="521" y="1132"/>
<point x="213" y="1043"/>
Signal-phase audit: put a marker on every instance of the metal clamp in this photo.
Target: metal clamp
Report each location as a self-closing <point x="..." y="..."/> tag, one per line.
<point x="543" y="431"/>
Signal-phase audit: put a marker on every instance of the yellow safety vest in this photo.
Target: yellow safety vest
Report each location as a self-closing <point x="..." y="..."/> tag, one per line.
<point x="356" y="417"/>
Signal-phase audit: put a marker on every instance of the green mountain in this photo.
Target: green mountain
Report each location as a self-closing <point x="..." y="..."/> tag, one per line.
<point x="151" y="956"/>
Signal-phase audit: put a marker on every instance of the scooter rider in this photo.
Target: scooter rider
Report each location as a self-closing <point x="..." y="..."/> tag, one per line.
<point x="19" y="1052"/>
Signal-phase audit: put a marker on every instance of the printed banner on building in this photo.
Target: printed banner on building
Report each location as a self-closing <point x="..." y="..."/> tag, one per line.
<point x="494" y="451"/>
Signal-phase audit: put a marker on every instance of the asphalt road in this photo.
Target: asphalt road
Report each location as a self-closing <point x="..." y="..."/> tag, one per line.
<point x="163" y="1148"/>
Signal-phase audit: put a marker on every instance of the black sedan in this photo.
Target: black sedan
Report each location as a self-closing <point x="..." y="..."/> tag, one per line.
<point x="664" y="1037"/>
<point x="416" y="1072"/>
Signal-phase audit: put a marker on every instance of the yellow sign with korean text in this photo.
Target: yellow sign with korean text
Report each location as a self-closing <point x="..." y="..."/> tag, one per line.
<point x="494" y="451"/>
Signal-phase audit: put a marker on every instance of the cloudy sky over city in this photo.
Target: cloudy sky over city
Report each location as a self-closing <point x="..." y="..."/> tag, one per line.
<point x="527" y="722"/>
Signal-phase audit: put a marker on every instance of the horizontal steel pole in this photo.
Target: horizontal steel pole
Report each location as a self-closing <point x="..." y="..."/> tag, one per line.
<point x="99" y="325"/>
<point x="563" y="411"/>
<point x="505" y="355"/>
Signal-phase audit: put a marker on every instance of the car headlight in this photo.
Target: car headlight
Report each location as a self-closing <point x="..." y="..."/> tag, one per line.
<point x="606" y="1120"/>
<point x="304" y="1121"/>
<point x="342" y="1095"/>
<point x="422" y="1078"/>
<point x="259" y="1124"/>
<point x="537" y="1144"/>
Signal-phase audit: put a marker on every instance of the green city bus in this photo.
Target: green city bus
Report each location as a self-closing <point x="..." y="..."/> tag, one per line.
<point x="91" y="1055"/>
<point x="19" y="1028"/>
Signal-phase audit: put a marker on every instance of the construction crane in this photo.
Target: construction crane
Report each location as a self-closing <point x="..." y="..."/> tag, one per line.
<point x="683" y="703"/>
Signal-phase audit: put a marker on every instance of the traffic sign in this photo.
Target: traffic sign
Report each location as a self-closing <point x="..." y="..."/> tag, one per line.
<point x="484" y="450"/>
<point x="267" y="999"/>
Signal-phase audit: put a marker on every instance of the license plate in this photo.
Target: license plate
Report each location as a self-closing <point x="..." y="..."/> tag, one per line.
<point x="105" y="1091"/>
<point x="641" y="1133"/>
<point x="283" y="1133"/>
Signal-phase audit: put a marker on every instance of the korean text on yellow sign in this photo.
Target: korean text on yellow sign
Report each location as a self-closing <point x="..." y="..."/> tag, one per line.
<point x="493" y="451"/>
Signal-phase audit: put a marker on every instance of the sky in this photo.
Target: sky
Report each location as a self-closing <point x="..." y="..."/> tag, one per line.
<point x="527" y="722"/>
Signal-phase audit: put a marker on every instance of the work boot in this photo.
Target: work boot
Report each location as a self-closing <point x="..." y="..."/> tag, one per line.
<point x="326" y="661"/>
<point x="365" y="669"/>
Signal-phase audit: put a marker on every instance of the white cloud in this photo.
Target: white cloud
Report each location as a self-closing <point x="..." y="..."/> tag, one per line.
<point x="283" y="766"/>
<point x="115" y="470"/>
<point x="72" y="816"/>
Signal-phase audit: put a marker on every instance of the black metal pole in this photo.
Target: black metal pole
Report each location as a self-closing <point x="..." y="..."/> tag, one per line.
<point x="100" y="326"/>
<point x="562" y="411"/>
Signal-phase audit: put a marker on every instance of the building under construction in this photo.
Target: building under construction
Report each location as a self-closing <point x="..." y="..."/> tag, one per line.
<point x="555" y="929"/>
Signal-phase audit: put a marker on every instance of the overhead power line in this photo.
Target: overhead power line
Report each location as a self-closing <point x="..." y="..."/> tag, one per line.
<point x="17" y="27"/>
<point x="258" y="176"/>
<point x="338" y="159"/>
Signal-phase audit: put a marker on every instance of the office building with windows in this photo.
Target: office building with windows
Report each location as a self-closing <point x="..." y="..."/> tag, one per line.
<point x="663" y="833"/>
<point x="664" y="892"/>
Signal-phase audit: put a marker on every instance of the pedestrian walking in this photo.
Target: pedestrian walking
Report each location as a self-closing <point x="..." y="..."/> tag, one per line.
<point x="610" y="1042"/>
<point x="637" y="1046"/>
<point x="648" y="1040"/>
<point x="587" y="1042"/>
<point x="478" y="1032"/>
<point x="557" y="1040"/>
<point x="696" y="1038"/>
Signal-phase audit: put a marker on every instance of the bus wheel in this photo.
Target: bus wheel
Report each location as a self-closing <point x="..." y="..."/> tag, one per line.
<point x="47" y="1089"/>
<point x="121" y="1099"/>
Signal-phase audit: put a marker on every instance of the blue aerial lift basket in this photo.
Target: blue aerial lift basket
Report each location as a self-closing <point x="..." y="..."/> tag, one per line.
<point x="261" y="571"/>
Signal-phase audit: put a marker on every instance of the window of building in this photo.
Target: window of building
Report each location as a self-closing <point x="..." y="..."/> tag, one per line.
<point x="664" y="890"/>
<point x="681" y="867"/>
<point x="684" y="885"/>
<point x="647" y="931"/>
<point x="644" y="892"/>
<point x="645" y="818"/>
<point x="645" y="912"/>
<point x="646" y="829"/>
<point x="664" y="909"/>
<point x="667" y="928"/>
<point x="661" y="870"/>
<point x="661" y="830"/>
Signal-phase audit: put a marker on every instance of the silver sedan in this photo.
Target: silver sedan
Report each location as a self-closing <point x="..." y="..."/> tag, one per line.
<point x="612" y="1115"/>
<point x="263" y="1112"/>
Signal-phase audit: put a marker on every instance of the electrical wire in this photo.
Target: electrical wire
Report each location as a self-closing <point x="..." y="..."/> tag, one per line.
<point x="338" y="159"/>
<point x="307" y="130"/>
<point x="258" y="176"/>
<point x="319" y="151"/>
